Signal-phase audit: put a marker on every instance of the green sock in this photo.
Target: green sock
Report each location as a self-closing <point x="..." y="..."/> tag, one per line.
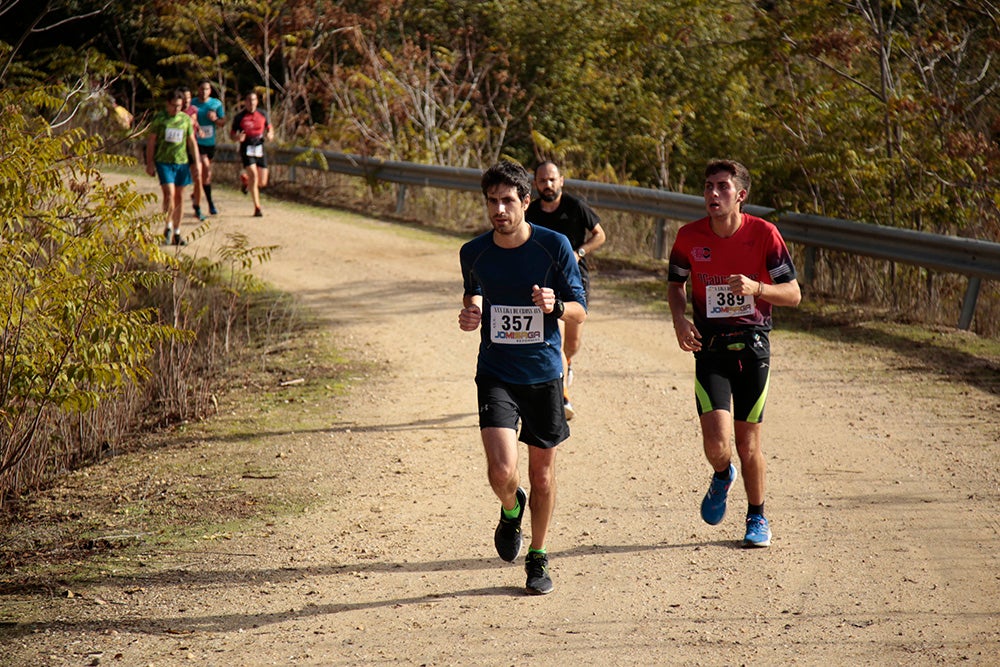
<point x="537" y="551"/>
<point x="512" y="513"/>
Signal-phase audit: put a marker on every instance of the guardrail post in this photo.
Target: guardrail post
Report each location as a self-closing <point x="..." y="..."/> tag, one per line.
<point x="291" y="173"/>
<point x="969" y="304"/>
<point x="809" y="270"/>
<point x="660" y="239"/>
<point x="400" y="198"/>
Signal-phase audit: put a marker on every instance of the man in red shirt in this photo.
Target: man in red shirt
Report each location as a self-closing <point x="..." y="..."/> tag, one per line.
<point x="192" y="111"/>
<point x="739" y="267"/>
<point x="251" y="129"/>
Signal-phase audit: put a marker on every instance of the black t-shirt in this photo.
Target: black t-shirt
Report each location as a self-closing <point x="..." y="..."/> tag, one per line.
<point x="573" y="218"/>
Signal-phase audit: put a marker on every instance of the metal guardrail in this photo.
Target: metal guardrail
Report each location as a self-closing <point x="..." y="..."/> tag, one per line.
<point x="977" y="259"/>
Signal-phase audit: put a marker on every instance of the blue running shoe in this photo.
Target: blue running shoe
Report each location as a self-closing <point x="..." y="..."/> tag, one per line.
<point x="758" y="532"/>
<point x="713" y="505"/>
<point x="507" y="537"/>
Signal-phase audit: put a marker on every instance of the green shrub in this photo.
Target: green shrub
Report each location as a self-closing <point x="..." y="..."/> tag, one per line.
<point x="73" y="249"/>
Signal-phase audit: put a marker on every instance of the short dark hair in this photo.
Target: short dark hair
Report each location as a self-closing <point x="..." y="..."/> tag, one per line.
<point x="508" y="173"/>
<point x="739" y="173"/>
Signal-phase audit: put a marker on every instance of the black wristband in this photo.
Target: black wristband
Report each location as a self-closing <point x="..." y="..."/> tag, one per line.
<point x="559" y="308"/>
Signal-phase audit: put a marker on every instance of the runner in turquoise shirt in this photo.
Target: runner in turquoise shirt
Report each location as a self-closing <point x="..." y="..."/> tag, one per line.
<point x="211" y="118"/>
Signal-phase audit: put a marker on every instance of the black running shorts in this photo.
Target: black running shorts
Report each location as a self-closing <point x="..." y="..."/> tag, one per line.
<point x="247" y="160"/>
<point x="538" y="407"/>
<point x="735" y="372"/>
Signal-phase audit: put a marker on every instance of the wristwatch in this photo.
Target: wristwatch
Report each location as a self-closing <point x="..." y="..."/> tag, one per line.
<point x="581" y="252"/>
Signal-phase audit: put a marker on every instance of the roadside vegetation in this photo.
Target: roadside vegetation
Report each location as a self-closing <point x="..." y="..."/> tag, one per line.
<point x="191" y="485"/>
<point x="103" y="334"/>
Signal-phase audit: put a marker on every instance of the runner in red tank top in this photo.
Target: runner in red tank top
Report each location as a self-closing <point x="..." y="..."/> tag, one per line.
<point x="251" y="129"/>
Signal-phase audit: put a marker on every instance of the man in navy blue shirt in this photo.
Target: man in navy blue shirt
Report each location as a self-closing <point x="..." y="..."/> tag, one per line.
<point x="520" y="280"/>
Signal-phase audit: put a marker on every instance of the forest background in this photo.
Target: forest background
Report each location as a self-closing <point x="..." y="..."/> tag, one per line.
<point x="883" y="112"/>
<point x="879" y="111"/>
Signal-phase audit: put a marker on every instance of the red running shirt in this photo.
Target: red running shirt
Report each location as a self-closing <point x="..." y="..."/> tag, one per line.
<point x="254" y="124"/>
<point x="756" y="250"/>
<point x="193" y="112"/>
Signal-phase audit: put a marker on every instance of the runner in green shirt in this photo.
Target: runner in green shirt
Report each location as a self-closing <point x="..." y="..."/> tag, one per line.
<point x="170" y="141"/>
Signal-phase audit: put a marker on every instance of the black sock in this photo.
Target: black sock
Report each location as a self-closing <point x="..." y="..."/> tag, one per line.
<point x="723" y="475"/>
<point x="208" y="194"/>
<point x="755" y="509"/>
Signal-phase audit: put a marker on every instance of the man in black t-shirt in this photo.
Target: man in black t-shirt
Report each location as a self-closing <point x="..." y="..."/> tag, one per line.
<point x="571" y="217"/>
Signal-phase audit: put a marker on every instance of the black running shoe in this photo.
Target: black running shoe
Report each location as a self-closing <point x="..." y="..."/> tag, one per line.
<point x="257" y="213"/>
<point x="178" y="240"/>
<point x="536" y="565"/>
<point x="507" y="537"/>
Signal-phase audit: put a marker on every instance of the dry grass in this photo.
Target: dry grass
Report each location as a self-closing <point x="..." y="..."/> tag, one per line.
<point x="179" y="484"/>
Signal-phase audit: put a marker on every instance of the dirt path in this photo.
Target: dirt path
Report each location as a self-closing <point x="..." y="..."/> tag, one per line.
<point x="884" y="495"/>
